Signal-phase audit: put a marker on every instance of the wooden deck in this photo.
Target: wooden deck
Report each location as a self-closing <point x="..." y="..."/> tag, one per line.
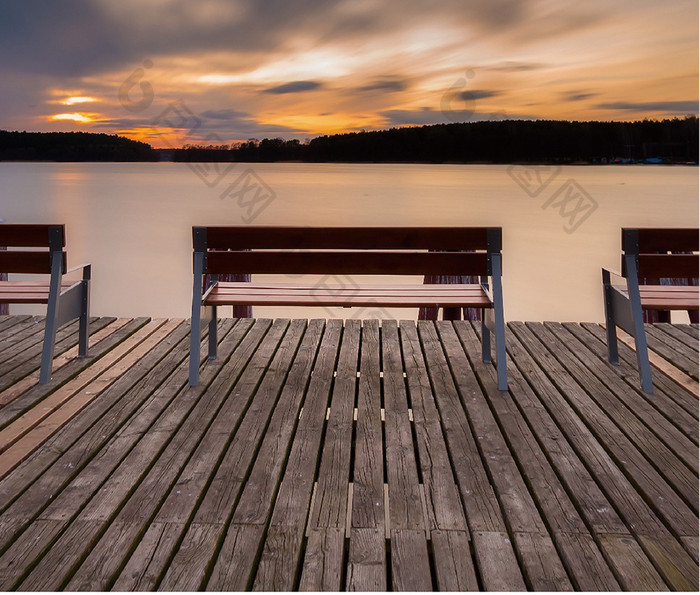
<point x="328" y="456"/>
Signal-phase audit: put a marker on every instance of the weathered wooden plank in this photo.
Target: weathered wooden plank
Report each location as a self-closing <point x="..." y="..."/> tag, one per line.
<point x="691" y="546"/>
<point x="237" y="557"/>
<point x="327" y="519"/>
<point x="673" y="562"/>
<point x="689" y="329"/>
<point x="674" y="388"/>
<point x="27" y="393"/>
<point x="623" y="434"/>
<point x="257" y="389"/>
<point x="90" y="498"/>
<point x="676" y="331"/>
<point x="65" y="453"/>
<point x="323" y="562"/>
<point x="520" y="511"/>
<point x="663" y="365"/>
<point x="454" y="568"/>
<point x="562" y="517"/>
<point x="330" y="505"/>
<point x="478" y="496"/>
<point x="406" y="518"/>
<point x="629" y="402"/>
<point x="405" y="508"/>
<point x="65" y="402"/>
<point x="368" y="473"/>
<point x="278" y="568"/>
<point x="152" y="555"/>
<point x="106" y="557"/>
<point x="24" y="335"/>
<point x="543" y="571"/>
<point x="22" y="386"/>
<point x="676" y="352"/>
<point x="494" y="559"/>
<point x="258" y="496"/>
<point x="660" y="401"/>
<point x="609" y="477"/>
<point x="8" y="322"/>
<point x="586" y="565"/>
<point x="62" y="507"/>
<point x="444" y="508"/>
<point x="367" y="556"/>
<point x="632" y="566"/>
<point x="28" y="359"/>
<point x="366" y="568"/>
<point x="409" y="561"/>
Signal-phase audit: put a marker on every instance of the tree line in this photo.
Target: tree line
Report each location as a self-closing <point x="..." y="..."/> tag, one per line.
<point x="72" y="146"/>
<point x="534" y="141"/>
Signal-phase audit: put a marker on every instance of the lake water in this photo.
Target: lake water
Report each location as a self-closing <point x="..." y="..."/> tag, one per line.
<point x="560" y="225"/>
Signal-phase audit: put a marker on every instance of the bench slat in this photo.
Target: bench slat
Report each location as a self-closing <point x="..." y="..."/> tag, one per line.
<point x="663" y="239"/>
<point x="669" y="265"/>
<point x="347" y="238"/>
<point x="349" y="263"/>
<point x="339" y="295"/>
<point x="27" y="235"/>
<point x="15" y="261"/>
<point x="665" y="297"/>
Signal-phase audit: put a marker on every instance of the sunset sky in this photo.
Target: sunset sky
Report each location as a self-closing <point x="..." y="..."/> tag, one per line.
<point x="216" y="71"/>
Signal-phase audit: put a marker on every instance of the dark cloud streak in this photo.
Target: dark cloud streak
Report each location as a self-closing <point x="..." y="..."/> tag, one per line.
<point x="294" y="87"/>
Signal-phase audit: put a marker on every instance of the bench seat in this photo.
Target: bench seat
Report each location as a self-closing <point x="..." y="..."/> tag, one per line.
<point x="667" y="297"/>
<point x="392" y="296"/>
<point x="27" y="292"/>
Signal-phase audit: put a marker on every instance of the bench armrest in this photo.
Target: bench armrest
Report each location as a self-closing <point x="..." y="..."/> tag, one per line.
<point x="86" y="268"/>
<point x="608" y="272"/>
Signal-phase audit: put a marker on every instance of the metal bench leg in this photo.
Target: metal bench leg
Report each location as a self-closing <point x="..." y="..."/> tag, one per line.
<point x="640" y="339"/>
<point x="640" y="344"/>
<point x="196" y="319"/>
<point x="610" y="325"/>
<point x="499" y="323"/>
<point x="83" y="332"/>
<point x="51" y="317"/>
<point x="213" y="334"/>
<point x="47" y="351"/>
<point x="485" y="340"/>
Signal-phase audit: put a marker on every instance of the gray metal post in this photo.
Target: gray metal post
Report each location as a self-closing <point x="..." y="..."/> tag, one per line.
<point x="499" y="322"/>
<point x="610" y="325"/>
<point x="56" y="260"/>
<point x="196" y="317"/>
<point x="83" y="332"/>
<point x="640" y="340"/>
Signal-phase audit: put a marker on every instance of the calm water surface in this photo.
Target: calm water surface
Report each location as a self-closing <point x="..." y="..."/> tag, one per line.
<point x="133" y="221"/>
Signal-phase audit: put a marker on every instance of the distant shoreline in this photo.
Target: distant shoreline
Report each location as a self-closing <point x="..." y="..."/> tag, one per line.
<point x="506" y="142"/>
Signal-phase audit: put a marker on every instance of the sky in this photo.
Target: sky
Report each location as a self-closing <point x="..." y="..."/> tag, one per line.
<point x="175" y="72"/>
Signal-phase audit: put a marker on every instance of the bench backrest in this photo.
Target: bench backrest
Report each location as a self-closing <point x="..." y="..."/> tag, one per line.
<point x="347" y="250"/>
<point x="652" y="247"/>
<point x="50" y="237"/>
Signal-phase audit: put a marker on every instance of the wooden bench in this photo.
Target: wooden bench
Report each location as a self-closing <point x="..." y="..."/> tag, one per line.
<point x="348" y="251"/>
<point x="648" y="253"/>
<point x="64" y="301"/>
